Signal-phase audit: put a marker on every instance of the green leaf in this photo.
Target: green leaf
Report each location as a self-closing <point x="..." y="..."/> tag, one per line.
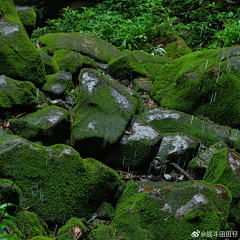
<point x="3" y="206"/>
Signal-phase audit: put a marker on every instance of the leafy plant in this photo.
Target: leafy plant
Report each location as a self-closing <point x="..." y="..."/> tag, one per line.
<point x="3" y="213"/>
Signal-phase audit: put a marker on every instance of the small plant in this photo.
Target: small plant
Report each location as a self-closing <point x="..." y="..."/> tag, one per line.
<point x="3" y="213"/>
<point x="159" y="51"/>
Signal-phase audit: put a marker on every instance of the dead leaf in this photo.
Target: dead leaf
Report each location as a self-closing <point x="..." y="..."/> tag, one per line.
<point x="77" y="232"/>
<point x="166" y="219"/>
<point x="54" y="52"/>
<point x="201" y="44"/>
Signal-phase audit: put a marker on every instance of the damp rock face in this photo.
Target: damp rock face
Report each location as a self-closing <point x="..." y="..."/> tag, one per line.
<point x="75" y="42"/>
<point x="177" y="148"/>
<point x="172" y="121"/>
<point x="50" y="63"/>
<point x="199" y="164"/>
<point x="68" y="61"/>
<point x="19" y="58"/>
<point x="102" y="112"/>
<point x="46" y="183"/>
<point x="50" y="125"/>
<point x="126" y="67"/>
<point x="163" y="211"/>
<point x="28" y="18"/>
<point x="200" y="83"/>
<point x="136" y="148"/>
<point x="16" y="96"/>
<point x="224" y="169"/>
<point x="58" y="83"/>
<point x="9" y="193"/>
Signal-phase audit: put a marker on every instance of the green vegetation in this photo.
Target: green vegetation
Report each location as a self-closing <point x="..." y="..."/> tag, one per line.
<point x="136" y="24"/>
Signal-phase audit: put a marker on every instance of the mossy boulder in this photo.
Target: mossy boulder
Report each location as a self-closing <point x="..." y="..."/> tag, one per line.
<point x="50" y="125"/>
<point x="9" y="193"/>
<point x="75" y="42"/>
<point x="50" y="63"/>
<point x="152" y="63"/>
<point x="171" y="121"/>
<point x="175" y="46"/>
<point x="102" y="112"/>
<point x="199" y="164"/>
<point x="19" y="58"/>
<point x="16" y="97"/>
<point x="103" y="233"/>
<point x="73" y="228"/>
<point x="29" y="225"/>
<point x="142" y="85"/>
<point x="88" y="62"/>
<point x="28" y="18"/>
<point x="68" y="61"/>
<point x="202" y="83"/>
<point x="126" y="67"/>
<point x="223" y="169"/>
<point x="112" y="51"/>
<point x="156" y="210"/>
<point x="106" y="211"/>
<point x="59" y="83"/>
<point x="136" y="148"/>
<point x="55" y="181"/>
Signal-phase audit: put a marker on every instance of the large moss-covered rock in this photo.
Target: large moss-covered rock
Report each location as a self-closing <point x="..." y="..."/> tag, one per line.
<point x="19" y="58"/>
<point x="55" y="181"/>
<point x="9" y="193"/>
<point x="76" y="42"/>
<point x="156" y="211"/>
<point x="202" y="83"/>
<point x="50" y="125"/>
<point x="28" y="18"/>
<point x="224" y="168"/>
<point x="29" y="225"/>
<point x="126" y="67"/>
<point x="136" y="148"/>
<point x="112" y="51"/>
<point x="175" y="46"/>
<point x="199" y="164"/>
<point x="16" y="97"/>
<point x="68" y="61"/>
<point x="50" y="63"/>
<point x="151" y="63"/>
<point x="59" y="83"/>
<point x="103" y="111"/>
<point x="171" y="121"/>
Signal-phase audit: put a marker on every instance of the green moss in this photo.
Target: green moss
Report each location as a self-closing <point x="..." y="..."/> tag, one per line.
<point x="70" y="223"/>
<point x="108" y="105"/>
<point x="152" y="69"/>
<point x="150" y="210"/>
<point x="42" y="238"/>
<point x="16" y="97"/>
<point x="68" y="61"/>
<point x="28" y="18"/>
<point x="89" y="62"/>
<point x="171" y="121"/>
<point x="19" y="58"/>
<point x="175" y="46"/>
<point x="112" y="51"/>
<point x="73" y="41"/>
<point x="106" y="211"/>
<point x="50" y="63"/>
<point x="103" y="233"/>
<point x="142" y="84"/>
<point x="58" y="83"/>
<point x="48" y="188"/>
<point x="125" y="67"/>
<point x="187" y="85"/>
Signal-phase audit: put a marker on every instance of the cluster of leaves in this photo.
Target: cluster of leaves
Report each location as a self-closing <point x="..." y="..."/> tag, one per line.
<point x="132" y="24"/>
